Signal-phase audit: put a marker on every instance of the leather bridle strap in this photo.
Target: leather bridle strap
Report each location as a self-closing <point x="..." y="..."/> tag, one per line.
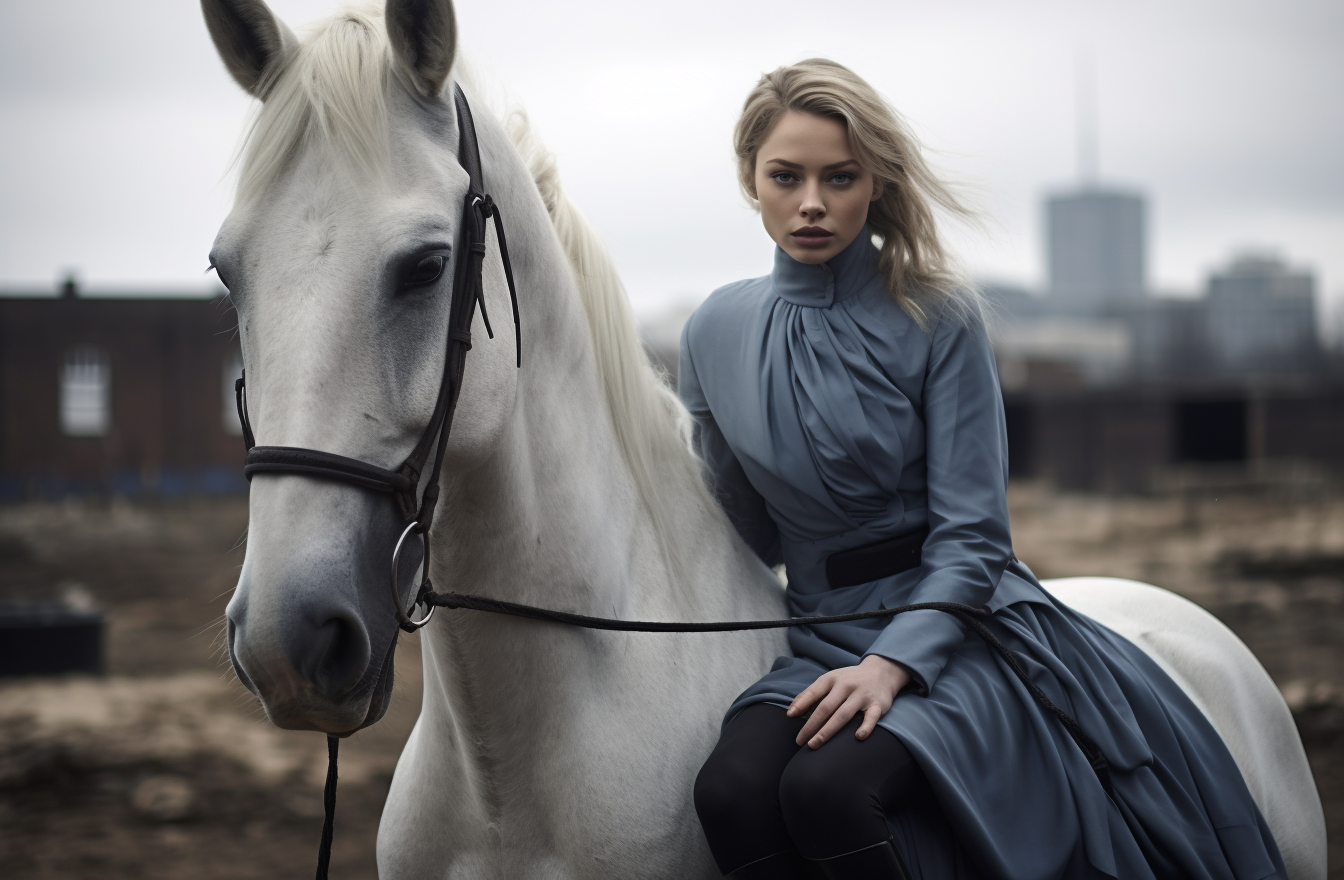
<point x="315" y="463"/>
<point x="404" y="483"/>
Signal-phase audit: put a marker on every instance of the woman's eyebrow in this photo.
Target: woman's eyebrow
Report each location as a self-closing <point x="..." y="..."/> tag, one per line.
<point x="831" y="167"/>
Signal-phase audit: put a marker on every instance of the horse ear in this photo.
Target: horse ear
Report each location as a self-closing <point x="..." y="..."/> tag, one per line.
<point x="250" y="40"/>
<point x="423" y="34"/>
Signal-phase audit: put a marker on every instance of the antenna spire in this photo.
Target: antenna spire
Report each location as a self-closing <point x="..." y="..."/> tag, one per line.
<point x="1085" y="86"/>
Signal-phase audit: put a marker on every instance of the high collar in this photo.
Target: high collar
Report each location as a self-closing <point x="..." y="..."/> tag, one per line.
<point x="819" y="285"/>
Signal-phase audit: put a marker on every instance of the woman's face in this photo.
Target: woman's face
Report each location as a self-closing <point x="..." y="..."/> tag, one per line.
<point x="814" y="195"/>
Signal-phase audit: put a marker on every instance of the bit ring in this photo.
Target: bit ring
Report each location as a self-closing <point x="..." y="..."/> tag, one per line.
<point x="404" y="617"/>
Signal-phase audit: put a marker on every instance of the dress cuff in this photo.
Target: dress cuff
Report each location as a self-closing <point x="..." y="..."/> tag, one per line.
<point x="922" y="641"/>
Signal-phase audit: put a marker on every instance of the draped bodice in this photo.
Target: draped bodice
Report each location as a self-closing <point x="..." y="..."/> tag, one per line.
<point x="828" y="419"/>
<point x="841" y="374"/>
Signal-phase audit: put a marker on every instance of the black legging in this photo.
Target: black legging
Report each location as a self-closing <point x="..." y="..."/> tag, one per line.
<point x="760" y="793"/>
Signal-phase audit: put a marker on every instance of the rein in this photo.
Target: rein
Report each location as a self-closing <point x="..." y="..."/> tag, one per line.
<point x="403" y="485"/>
<point x="967" y="614"/>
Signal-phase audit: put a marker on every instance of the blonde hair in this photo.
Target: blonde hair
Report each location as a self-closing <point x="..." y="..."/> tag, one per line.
<point x="921" y="276"/>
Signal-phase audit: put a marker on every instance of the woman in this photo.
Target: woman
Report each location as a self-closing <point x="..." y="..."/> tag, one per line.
<point x="848" y="413"/>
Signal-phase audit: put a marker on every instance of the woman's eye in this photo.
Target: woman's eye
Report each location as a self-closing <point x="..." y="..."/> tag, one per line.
<point x="427" y="271"/>
<point x="842" y="178"/>
<point x="783" y="177"/>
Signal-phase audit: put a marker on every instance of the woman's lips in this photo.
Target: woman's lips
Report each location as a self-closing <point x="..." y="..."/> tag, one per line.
<point x="812" y="236"/>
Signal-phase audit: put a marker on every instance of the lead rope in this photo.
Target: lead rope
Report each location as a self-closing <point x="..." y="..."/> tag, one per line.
<point x="328" y="807"/>
<point x="968" y="614"/>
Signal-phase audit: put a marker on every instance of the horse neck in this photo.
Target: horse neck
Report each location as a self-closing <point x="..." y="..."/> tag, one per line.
<point x="555" y="518"/>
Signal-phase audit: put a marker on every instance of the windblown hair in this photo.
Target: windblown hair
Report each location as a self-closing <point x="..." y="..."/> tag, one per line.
<point x="921" y="275"/>
<point x="332" y="89"/>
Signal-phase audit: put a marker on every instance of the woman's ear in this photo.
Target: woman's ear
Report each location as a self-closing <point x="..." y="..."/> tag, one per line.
<point x="878" y="189"/>
<point x="749" y="187"/>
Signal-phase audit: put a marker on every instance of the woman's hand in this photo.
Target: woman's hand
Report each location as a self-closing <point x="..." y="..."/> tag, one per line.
<point x="869" y="688"/>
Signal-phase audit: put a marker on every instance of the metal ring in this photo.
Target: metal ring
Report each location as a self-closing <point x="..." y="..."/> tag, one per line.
<point x="403" y="617"/>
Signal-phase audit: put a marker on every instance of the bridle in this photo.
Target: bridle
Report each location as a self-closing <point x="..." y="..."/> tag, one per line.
<point x="403" y="483"/>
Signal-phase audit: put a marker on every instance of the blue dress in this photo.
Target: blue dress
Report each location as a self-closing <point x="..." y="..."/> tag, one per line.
<point x="827" y="420"/>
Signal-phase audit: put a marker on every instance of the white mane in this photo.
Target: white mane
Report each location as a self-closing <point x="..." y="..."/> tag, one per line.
<point x="333" y="91"/>
<point x="652" y="426"/>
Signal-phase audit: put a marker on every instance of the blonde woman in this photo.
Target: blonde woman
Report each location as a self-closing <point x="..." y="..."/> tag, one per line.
<point x="849" y="416"/>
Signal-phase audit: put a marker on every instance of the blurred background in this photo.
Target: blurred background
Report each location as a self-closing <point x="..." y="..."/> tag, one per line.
<point x="1162" y="237"/>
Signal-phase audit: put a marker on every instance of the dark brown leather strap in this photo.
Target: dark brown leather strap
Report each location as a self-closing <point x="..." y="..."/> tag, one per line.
<point x="328" y="465"/>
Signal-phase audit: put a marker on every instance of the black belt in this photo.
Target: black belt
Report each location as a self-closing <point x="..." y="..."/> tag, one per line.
<point x="872" y="562"/>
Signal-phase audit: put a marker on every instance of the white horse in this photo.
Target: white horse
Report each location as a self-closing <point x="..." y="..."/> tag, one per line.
<point x="541" y="751"/>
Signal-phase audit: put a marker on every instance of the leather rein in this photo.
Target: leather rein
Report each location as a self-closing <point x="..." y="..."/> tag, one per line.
<point x="417" y="508"/>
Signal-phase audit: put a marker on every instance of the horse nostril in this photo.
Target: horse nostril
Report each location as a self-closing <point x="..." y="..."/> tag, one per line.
<point x="343" y="657"/>
<point x="231" y="632"/>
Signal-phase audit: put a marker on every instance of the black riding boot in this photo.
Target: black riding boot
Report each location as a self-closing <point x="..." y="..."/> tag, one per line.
<point x="787" y="865"/>
<point x="877" y="862"/>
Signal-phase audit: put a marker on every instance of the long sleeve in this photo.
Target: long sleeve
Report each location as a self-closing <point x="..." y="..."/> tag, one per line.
<point x="968" y="545"/>
<point x="723" y="472"/>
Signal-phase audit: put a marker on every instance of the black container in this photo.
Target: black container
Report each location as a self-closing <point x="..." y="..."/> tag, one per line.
<point x="49" y="639"/>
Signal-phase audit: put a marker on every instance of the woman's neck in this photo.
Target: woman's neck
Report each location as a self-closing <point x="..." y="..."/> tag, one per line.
<point x="820" y="285"/>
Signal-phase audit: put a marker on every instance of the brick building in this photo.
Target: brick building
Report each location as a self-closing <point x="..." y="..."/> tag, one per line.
<point x="117" y="395"/>
<point x="134" y="396"/>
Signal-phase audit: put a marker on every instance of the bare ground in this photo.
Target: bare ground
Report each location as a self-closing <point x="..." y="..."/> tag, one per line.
<point x="165" y="767"/>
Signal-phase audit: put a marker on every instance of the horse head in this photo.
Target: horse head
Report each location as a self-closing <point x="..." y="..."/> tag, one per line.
<point x="339" y="256"/>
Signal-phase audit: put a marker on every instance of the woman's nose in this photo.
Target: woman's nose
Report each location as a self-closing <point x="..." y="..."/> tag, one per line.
<point x="811" y="205"/>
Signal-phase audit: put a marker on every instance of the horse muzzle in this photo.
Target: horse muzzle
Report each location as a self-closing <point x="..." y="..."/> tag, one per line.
<point x="311" y="629"/>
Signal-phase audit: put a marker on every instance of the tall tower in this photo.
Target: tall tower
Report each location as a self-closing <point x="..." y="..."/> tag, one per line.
<point x="1095" y="236"/>
<point x="1097" y="254"/>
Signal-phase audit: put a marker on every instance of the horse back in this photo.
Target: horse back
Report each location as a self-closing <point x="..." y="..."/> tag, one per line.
<point x="1223" y="679"/>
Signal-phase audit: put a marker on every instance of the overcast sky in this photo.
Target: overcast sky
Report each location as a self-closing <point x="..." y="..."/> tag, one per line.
<point x="117" y="123"/>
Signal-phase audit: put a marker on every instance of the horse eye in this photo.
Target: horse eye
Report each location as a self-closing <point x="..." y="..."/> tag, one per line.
<point x="427" y="271"/>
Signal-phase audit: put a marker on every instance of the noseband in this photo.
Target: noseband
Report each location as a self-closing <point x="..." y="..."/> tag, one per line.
<point x="403" y="484"/>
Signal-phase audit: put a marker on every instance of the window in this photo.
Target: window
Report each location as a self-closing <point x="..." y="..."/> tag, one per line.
<point x="86" y="383"/>
<point x="233" y="368"/>
<point x="1211" y="430"/>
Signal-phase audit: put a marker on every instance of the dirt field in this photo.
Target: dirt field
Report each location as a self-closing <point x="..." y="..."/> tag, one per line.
<point x="165" y="768"/>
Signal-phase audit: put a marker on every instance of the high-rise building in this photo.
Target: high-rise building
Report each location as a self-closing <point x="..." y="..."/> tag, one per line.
<point x="1262" y="314"/>
<point x="1097" y="254"/>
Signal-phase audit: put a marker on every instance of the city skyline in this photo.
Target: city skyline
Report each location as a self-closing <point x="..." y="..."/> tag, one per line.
<point x="1218" y="114"/>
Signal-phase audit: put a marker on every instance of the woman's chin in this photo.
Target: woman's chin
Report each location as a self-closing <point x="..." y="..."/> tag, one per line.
<point x="811" y="254"/>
